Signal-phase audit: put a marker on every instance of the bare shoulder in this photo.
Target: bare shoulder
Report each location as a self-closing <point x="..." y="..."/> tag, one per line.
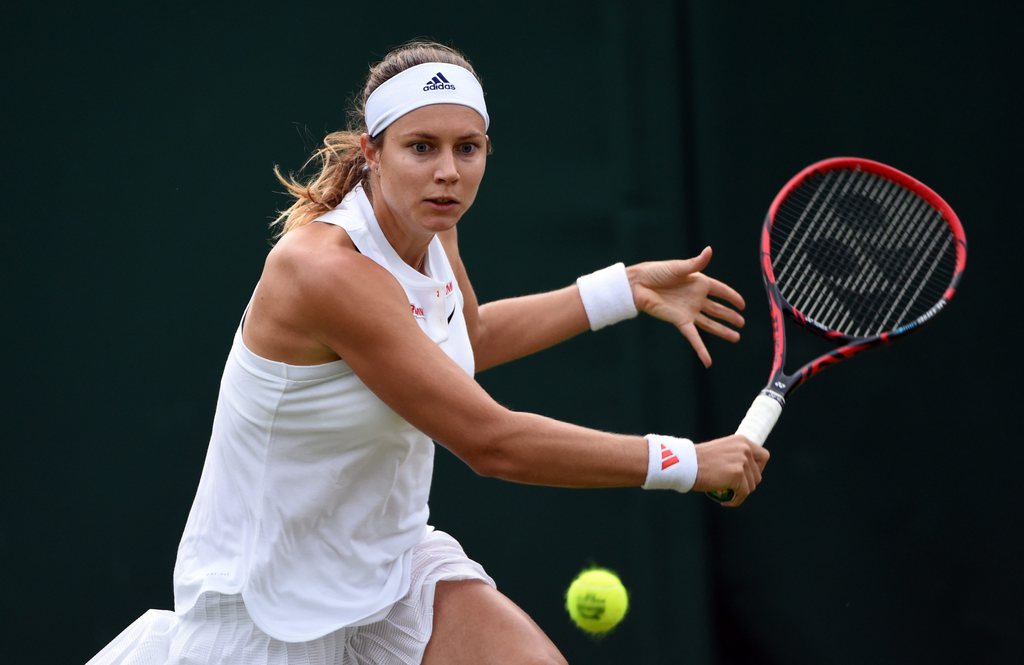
<point x="317" y="259"/>
<point x="307" y="252"/>
<point x="314" y="280"/>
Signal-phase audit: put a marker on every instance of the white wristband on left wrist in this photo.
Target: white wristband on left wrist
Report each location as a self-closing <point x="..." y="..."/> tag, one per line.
<point x="607" y="296"/>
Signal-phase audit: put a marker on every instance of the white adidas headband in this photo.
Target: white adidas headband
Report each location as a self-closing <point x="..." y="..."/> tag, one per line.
<point x="423" y="85"/>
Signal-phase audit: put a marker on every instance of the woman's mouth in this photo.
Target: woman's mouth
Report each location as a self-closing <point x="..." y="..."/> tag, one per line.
<point x="443" y="202"/>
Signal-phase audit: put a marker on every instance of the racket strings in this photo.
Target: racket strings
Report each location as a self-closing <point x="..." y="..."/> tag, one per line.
<point x="848" y="296"/>
<point x="879" y="267"/>
<point x="856" y="286"/>
<point x="857" y="253"/>
<point x="863" y="281"/>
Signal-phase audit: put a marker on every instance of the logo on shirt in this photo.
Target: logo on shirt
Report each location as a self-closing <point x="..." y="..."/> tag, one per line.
<point x="438" y="82"/>
<point x="418" y="311"/>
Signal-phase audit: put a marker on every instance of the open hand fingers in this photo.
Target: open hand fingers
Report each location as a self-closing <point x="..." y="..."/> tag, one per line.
<point x="723" y="313"/>
<point x="684" y="267"/>
<point x="723" y="291"/>
<point x="677" y="291"/>
<point x="716" y="328"/>
<point x="693" y="337"/>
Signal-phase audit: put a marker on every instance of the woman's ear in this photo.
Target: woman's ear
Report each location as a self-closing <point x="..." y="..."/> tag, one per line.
<point x="370" y="151"/>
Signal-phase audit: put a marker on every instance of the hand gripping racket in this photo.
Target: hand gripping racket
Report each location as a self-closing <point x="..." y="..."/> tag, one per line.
<point x="859" y="253"/>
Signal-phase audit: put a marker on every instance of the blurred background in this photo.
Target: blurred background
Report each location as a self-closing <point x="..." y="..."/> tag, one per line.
<point x="138" y="147"/>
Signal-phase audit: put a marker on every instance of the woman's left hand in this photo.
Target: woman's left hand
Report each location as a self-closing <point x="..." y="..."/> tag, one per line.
<point x="679" y="293"/>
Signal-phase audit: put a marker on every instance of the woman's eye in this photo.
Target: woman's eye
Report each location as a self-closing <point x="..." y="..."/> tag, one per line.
<point x="420" y="147"/>
<point x="467" y="148"/>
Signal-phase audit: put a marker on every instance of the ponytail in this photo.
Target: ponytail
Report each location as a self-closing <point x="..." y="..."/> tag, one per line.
<point x="341" y="166"/>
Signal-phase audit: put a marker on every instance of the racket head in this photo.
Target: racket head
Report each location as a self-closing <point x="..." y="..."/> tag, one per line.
<point x="860" y="253"/>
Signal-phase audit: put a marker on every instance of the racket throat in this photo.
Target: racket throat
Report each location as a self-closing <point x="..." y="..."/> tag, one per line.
<point x="778" y="397"/>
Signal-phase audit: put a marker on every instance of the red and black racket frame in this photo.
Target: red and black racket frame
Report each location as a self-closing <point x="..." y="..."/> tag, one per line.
<point x="781" y="384"/>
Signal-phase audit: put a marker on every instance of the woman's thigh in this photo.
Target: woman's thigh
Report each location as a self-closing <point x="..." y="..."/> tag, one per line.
<point x="476" y="624"/>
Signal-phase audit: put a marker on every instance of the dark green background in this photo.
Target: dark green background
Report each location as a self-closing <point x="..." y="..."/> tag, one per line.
<point x="137" y="153"/>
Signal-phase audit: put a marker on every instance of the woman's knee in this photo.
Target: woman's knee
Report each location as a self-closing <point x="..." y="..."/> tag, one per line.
<point x="475" y="623"/>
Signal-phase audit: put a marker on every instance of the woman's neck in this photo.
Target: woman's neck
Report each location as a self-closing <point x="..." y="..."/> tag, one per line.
<point x="410" y="247"/>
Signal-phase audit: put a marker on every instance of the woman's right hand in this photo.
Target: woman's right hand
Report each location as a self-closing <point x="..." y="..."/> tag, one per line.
<point x="731" y="462"/>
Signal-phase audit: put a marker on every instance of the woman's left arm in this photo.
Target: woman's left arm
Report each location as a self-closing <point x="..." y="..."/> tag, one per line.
<point x="674" y="291"/>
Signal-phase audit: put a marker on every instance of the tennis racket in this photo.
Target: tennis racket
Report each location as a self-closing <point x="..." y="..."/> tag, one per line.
<point x="860" y="254"/>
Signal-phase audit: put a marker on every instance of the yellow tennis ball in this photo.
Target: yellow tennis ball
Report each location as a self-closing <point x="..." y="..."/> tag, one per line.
<point x="596" y="600"/>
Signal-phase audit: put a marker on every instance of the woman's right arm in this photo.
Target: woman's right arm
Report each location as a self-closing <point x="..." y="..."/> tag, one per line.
<point x="352" y="306"/>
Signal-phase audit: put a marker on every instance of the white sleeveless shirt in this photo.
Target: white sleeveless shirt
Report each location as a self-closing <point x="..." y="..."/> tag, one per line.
<point x="314" y="491"/>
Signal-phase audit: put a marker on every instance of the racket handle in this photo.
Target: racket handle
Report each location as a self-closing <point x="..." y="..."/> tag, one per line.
<point x="761" y="417"/>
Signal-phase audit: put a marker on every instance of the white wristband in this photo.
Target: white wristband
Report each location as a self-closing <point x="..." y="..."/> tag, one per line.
<point x="607" y="296"/>
<point x="671" y="463"/>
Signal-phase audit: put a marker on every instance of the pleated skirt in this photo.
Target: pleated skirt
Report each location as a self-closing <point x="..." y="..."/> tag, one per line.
<point x="218" y="630"/>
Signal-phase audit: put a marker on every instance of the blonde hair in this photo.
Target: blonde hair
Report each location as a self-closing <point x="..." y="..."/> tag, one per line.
<point x="339" y="164"/>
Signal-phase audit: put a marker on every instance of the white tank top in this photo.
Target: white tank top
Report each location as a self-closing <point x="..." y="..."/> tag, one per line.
<point x="314" y="491"/>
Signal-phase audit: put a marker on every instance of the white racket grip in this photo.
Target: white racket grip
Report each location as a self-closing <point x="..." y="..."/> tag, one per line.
<point x="760" y="419"/>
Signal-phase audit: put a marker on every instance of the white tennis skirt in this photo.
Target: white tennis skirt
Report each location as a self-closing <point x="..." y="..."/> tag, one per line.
<point x="218" y="630"/>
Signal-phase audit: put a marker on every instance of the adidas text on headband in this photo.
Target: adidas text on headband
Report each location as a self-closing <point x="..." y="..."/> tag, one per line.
<point x="423" y="85"/>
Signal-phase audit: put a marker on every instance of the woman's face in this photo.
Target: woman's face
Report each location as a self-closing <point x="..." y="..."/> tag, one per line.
<point x="429" y="167"/>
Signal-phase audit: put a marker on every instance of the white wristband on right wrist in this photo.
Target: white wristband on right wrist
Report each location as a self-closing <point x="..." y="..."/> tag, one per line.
<point x="671" y="463"/>
<point x="607" y="296"/>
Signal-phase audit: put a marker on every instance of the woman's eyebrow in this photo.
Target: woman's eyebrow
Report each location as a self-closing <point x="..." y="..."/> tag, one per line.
<point x="416" y="134"/>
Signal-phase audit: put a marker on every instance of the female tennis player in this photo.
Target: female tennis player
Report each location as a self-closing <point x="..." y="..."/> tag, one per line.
<point x="308" y="539"/>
